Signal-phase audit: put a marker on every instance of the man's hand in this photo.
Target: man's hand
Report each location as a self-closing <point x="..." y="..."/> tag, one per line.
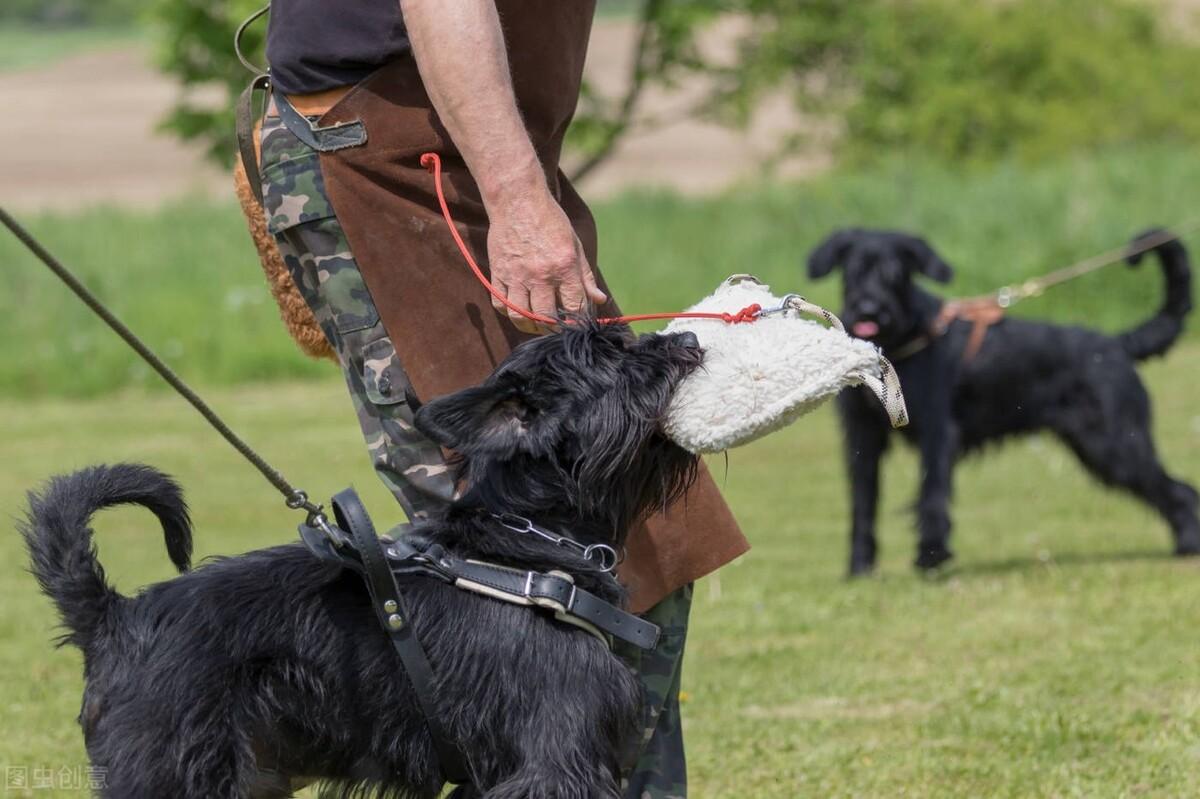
<point x="536" y="259"/>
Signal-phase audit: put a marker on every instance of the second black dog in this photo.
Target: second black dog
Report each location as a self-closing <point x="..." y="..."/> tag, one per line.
<point x="965" y="387"/>
<point x="253" y="673"/>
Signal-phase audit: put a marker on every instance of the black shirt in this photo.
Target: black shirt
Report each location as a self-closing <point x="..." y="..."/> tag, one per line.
<point x="313" y="45"/>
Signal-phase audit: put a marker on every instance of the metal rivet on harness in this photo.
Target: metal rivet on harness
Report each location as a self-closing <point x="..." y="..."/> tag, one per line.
<point x="395" y="622"/>
<point x="390" y="606"/>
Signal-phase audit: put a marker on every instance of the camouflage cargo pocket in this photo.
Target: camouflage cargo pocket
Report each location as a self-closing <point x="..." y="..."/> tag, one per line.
<point x="299" y="213"/>
<point x="383" y="376"/>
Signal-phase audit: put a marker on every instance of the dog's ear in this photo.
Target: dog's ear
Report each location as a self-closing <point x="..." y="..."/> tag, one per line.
<point x="491" y="419"/>
<point x="920" y="257"/>
<point x="831" y="252"/>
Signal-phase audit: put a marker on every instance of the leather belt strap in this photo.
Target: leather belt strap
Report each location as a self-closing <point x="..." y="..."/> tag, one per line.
<point x="244" y="119"/>
<point x="292" y="112"/>
<point x="388" y="604"/>
<point x="327" y="139"/>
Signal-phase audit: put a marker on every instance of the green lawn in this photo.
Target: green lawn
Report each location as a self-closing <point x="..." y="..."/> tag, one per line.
<point x="1059" y="658"/>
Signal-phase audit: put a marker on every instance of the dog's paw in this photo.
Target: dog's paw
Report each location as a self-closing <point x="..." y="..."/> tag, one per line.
<point x="931" y="557"/>
<point x="860" y="568"/>
<point x="1187" y="548"/>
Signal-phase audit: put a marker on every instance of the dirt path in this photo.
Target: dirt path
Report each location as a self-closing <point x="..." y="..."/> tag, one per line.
<point x="83" y="132"/>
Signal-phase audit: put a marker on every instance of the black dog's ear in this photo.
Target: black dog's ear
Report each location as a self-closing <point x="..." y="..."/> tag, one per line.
<point x="491" y="419"/>
<point x="920" y="257"/>
<point x="830" y="252"/>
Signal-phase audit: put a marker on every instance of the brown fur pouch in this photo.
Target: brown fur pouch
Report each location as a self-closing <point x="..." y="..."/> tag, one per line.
<point x="297" y="316"/>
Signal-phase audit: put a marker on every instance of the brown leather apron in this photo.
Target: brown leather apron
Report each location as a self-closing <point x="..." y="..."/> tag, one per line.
<point x="439" y="317"/>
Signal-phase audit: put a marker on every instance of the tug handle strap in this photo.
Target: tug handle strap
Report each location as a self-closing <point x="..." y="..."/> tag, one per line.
<point x="388" y="604"/>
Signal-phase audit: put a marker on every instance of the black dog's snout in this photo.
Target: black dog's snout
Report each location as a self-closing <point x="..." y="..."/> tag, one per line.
<point x="867" y="307"/>
<point x="688" y="339"/>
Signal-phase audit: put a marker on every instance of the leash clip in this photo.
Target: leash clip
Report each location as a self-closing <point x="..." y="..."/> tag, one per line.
<point x="785" y="304"/>
<point x="298" y="500"/>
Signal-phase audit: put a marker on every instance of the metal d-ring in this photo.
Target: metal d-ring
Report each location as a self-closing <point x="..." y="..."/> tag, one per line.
<point x="608" y="556"/>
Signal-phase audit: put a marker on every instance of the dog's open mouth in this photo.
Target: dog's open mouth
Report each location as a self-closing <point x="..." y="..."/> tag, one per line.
<point x="865" y="329"/>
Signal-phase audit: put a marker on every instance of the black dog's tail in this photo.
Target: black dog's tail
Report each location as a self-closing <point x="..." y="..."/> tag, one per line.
<point x="1156" y="335"/>
<point x="60" y="542"/>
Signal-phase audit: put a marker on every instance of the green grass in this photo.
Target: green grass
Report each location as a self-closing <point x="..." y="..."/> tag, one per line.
<point x="24" y="47"/>
<point x="187" y="279"/>
<point x="1059" y="658"/>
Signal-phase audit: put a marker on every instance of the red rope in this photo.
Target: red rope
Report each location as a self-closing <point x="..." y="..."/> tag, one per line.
<point x="433" y="163"/>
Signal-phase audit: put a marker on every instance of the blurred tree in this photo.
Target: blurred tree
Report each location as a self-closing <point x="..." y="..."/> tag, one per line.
<point x="969" y="81"/>
<point x="951" y="80"/>
<point x="196" y="47"/>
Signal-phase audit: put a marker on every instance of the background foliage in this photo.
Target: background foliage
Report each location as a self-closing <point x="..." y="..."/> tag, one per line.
<point x="69" y="12"/>
<point x="971" y="81"/>
<point x="947" y="79"/>
<point x="195" y="45"/>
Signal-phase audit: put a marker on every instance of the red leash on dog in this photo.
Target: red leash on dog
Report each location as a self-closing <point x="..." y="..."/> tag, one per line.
<point x="433" y="163"/>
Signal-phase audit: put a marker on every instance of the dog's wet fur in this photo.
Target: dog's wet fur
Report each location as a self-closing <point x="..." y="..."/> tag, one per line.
<point x="253" y="673"/>
<point x="1077" y="383"/>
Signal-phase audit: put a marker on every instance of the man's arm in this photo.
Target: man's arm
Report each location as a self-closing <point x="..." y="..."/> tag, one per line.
<point x="536" y="259"/>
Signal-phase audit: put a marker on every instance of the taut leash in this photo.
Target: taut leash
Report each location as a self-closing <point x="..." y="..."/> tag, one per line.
<point x="1010" y="295"/>
<point x="293" y="497"/>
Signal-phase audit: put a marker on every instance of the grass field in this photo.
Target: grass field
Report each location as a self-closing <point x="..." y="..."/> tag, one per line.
<point x="1058" y="658"/>
<point x="186" y="276"/>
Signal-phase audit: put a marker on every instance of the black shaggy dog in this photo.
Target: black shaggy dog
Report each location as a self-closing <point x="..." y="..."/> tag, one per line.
<point x="256" y="672"/>
<point x="1023" y="376"/>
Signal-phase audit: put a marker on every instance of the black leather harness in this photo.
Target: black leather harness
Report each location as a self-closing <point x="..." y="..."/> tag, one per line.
<point x="386" y="562"/>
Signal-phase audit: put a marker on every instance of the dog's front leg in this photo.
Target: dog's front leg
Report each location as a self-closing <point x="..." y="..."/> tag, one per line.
<point x="937" y="445"/>
<point x="866" y="441"/>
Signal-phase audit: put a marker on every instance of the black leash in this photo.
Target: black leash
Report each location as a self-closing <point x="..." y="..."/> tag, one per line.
<point x="294" y="497"/>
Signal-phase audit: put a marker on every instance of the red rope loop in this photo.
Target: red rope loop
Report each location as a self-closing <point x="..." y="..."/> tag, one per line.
<point x="433" y="163"/>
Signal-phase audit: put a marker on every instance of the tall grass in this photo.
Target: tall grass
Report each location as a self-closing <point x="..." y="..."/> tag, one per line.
<point x="186" y="276"/>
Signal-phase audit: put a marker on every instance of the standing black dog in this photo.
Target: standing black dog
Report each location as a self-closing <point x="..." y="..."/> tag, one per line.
<point x="254" y="672"/>
<point x="966" y="385"/>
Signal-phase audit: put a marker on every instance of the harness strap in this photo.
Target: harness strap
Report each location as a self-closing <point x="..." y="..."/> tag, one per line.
<point x="554" y="590"/>
<point x="388" y="603"/>
<point x="982" y="313"/>
<point x="244" y="119"/>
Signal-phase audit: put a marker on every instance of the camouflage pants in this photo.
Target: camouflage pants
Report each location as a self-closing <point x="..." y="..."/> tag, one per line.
<point x="318" y="257"/>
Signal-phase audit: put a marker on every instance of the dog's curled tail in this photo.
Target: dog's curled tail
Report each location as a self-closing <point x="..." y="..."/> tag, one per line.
<point x="60" y="542"/>
<point x="1156" y="335"/>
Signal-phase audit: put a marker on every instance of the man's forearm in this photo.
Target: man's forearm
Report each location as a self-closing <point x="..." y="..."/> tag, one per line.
<point x="460" y="51"/>
<point x="536" y="260"/>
